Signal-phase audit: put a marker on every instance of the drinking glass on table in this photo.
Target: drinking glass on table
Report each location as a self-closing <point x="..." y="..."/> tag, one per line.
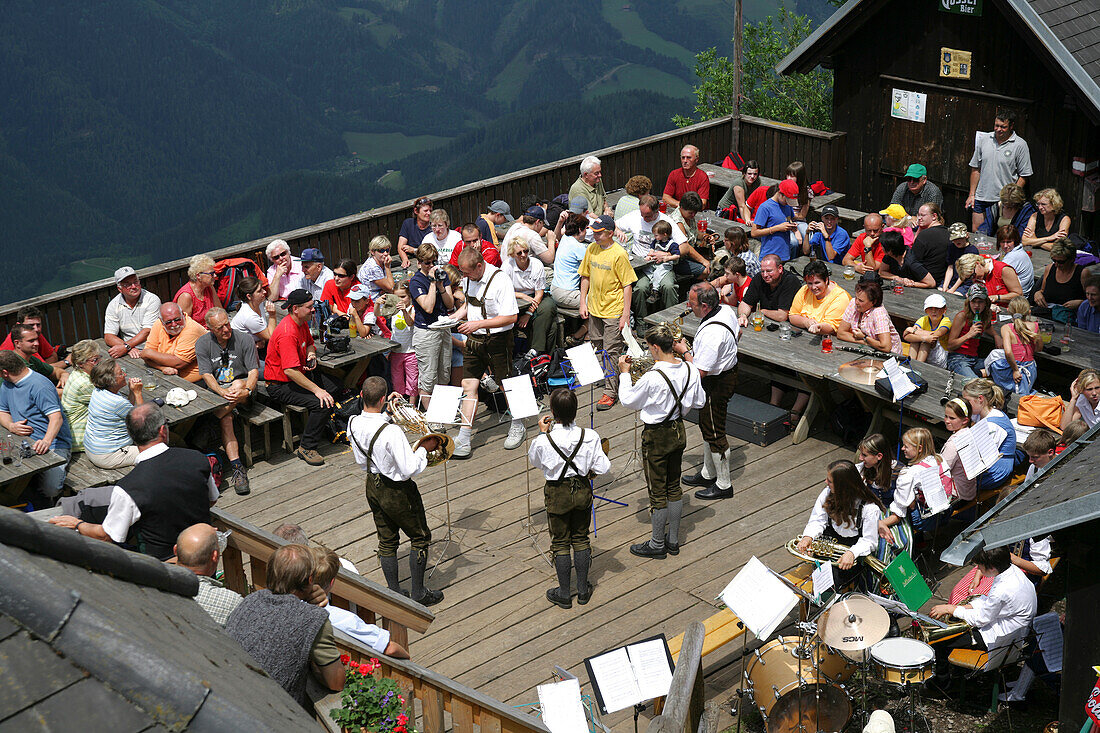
<point x="758" y="322"/>
<point x="7" y="445"/>
<point x="1067" y="338"/>
<point x="784" y="331"/>
<point x="826" y="345"/>
<point x="1046" y="332"/>
<point x="849" y="273"/>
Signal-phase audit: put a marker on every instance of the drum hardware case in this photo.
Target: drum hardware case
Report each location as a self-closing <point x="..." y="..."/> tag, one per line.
<point x="751" y="420"/>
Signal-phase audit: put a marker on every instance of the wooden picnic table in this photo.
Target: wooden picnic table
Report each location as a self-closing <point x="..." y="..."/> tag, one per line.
<point x="725" y="177"/>
<point x="1084" y="352"/>
<point x="347" y="366"/>
<point x="15" y="476"/>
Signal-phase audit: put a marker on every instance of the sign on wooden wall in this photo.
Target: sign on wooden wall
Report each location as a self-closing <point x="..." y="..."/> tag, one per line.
<point x="954" y="64"/>
<point x="962" y="7"/>
<point x="906" y="105"/>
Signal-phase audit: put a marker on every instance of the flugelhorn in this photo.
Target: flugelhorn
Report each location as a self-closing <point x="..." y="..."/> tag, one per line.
<point x="823" y="549"/>
<point x="412" y="421"/>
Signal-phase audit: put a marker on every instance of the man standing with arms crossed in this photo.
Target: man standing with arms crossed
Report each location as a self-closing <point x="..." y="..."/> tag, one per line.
<point x="715" y="356"/>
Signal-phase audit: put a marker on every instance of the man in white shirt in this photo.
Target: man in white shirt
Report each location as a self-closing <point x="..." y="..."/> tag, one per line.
<point x="637" y="227"/>
<point x="1001" y="617"/>
<point x="488" y="316"/>
<point x="314" y="273"/>
<point x="531" y="227"/>
<point x="568" y="457"/>
<point x="715" y="355"/>
<point x="129" y="315"/>
<point x="390" y="463"/>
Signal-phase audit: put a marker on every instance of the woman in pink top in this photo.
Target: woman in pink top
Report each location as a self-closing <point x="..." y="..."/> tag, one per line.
<point x="865" y="321"/>
<point x="956" y="416"/>
<point x="199" y="294"/>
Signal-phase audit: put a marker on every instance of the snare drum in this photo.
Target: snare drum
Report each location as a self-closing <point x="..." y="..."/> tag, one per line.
<point x="773" y="678"/>
<point x="902" y="661"/>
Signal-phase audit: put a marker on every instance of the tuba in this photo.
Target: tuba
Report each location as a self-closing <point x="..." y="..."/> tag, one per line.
<point x="412" y="421"/>
<point x="825" y="550"/>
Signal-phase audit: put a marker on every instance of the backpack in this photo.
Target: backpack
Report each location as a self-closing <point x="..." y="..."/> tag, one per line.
<point x="347" y="406"/>
<point x="734" y="161"/>
<point x="538" y="368"/>
<point x="554" y="209"/>
<point x="229" y="272"/>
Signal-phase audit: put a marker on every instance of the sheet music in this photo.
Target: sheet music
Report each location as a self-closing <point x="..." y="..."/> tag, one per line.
<point x="520" y="394"/>
<point x="899" y="380"/>
<point x="987" y="437"/>
<point x="585" y="364"/>
<point x="1049" y="631"/>
<point x="970" y="455"/>
<point x="898" y="607"/>
<point x="934" y="495"/>
<point x="614" y="676"/>
<point x="823" y="579"/>
<point x="758" y="598"/>
<point x="444" y="405"/>
<point x="651" y="668"/>
<point x="562" y="709"/>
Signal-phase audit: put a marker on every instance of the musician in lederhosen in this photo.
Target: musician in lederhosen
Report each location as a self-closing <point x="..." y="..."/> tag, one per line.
<point x="664" y="394"/>
<point x="846" y="512"/>
<point x="490" y="314"/>
<point x="714" y="354"/>
<point x="569" y="457"/>
<point x="390" y="463"/>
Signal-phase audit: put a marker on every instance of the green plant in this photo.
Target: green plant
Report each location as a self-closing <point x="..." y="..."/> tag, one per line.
<point x="797" y="99"/>
<point x="371" y="702"/>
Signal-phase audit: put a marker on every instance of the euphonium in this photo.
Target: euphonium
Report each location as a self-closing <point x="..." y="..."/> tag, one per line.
<point x="411" y="420"/>
<point x="823" y="549"/>
<point x="639" y="365"/>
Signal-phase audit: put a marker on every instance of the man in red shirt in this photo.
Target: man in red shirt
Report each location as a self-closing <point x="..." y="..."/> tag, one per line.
<point x="686" y="178"/>
<point x="32" y="318"/>
<point x="292" y="376"/>
<point x="866" y="252"/>
<point x="471" y="235"/>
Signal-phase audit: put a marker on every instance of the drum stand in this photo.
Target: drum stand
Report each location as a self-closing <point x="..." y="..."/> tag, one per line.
<point x="913" y="709"/>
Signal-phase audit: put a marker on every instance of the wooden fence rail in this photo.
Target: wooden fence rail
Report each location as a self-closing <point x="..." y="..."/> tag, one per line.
<point x="683" y="708"/>
<point x="375" y="604"/>
<point x="77" y="312"/>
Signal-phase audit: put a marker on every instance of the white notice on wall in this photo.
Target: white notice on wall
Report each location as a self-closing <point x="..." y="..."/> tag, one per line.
<point x="906" y="105"/>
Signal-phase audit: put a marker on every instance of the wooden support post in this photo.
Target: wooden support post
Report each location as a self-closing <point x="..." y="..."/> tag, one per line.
<point x="432" y="704"/>
<point x="735" y="127"/>
<point x="1082" y="632"/>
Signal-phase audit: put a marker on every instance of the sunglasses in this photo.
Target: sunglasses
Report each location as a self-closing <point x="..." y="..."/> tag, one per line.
<point x="174" y="320"/>
<point x="280" y="255"/>
<point x="422" y="201"/>
<point x="339" y="274"/>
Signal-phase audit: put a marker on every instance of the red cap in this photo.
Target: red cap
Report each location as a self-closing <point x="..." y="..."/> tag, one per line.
<point x="788" y="188"/>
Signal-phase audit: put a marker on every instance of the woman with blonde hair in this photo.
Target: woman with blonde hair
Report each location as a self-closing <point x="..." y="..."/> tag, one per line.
<point x="1049" y="224"/>
<point x="199" y="295"/>
<point x="442" y="237"/>
<point x="1014" y="210"/>
<point x="919" y="450"/>
<point x="986" y="401"/>
<point x="956" y="416"/>
<point x="1000" y="280"/>
<point x="78" y="389"/>
<point x="1014" y="369"/>
<point x="1084" y="399"/>
<point x="376" y="273"/>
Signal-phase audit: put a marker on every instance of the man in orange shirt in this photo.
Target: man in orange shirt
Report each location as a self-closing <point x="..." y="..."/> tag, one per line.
<point x="171" y="344"/>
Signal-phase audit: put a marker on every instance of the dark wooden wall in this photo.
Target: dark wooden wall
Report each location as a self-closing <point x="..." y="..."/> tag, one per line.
<point x="1006" y="73"/>
<point x="77" y="312"/>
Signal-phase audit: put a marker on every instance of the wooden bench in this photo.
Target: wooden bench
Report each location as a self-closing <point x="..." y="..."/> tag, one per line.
<point x="256" y="414"/>
<point x="285" y="411"/>
<point x="83" y="474"/>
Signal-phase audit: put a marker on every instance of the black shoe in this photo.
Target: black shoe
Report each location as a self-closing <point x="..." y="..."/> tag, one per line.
<point x="583" y="596"/>
<point x="554" y="596"/>
<point x="645" y="549"/>
<point x="430" y="597"/>
<point x="714" y="493"/>
<point x="697" y="479"/>
<point x="671" y="547"/>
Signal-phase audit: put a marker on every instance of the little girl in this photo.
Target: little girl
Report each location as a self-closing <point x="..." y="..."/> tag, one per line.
<point x="737" y="242"/>
<point x="920" y="452"/>
<point x="1013" y="368"/>
<point x="403" y="371"/>
<point x="876" y="467"/>
<point x="956" y="416"/>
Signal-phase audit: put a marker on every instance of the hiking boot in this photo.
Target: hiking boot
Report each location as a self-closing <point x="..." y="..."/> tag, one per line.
<point x="713" y="492"/>
<point x="645" y="549"/>
<point x="554" y="595"/>
<point x="516" y="433"/>
<point x="585" y="594"/>
<point x="606" y="403"/>
<point x="240" y="481"/>
<point x="462" y="450"/>
<point x="430" y="597"/>
<point x="310" y="456"/>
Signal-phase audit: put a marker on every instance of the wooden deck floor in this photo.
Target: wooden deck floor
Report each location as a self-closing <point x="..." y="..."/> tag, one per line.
<point x="495" y="630"/>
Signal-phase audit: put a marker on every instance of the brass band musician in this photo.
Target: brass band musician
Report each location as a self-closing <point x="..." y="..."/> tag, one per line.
<point x="847" y="513"/>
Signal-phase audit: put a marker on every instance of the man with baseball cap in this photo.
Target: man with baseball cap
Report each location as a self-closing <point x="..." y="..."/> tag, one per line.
<point x="129" y="315"/>
<point x="314" y="272"/>
<point x="292" y="376"/>
<point x="827" y="240"/>
<point x="774" y="224"/>
<point x="916" y="190"/>
<point x="499" y="213"/>
<point x="531" y="228"/>
<point x="607" y="284"/>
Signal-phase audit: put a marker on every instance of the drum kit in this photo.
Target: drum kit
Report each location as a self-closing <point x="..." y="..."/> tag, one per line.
<point x="801" y="684"/>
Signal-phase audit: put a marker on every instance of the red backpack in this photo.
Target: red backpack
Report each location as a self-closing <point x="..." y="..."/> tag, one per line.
<point x="734" y="161"/>
<point x="229" y="272"/>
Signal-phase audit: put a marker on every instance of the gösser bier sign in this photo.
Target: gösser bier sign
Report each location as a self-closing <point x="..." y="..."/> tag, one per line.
<point x="962" y="7"/>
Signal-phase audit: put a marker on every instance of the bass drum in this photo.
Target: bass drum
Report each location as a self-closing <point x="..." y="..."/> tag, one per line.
<point x="773" y="678"/>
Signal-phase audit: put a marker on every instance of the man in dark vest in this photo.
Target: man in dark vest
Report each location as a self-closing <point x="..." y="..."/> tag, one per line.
<point x="284" y="633"/>
<point x="168" y="490"/>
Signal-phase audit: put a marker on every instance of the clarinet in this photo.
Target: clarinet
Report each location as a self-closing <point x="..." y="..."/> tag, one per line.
<point x="947" y="391"/>
<point x="867" y="351"/>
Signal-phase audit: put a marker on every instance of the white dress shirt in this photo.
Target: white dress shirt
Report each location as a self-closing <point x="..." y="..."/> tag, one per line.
<point x="715" y="349"/>
<point x="123" y="513"/>
<point x="651" y="394"/>
<point x="500" y="300"/>
<point x="392" y="457"/>
<point x="358" y="629"/>
<point x="1005" y="612"/>
<point x="868" y="539"/>
<point x="590" y="458"/>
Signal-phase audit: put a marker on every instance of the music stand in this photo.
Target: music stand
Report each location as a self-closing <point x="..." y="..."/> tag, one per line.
<point x="520" y="395"/>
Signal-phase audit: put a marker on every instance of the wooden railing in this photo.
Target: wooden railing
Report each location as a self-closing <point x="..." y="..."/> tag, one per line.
<point x="375" y="604"/>
<point x="77" y="312"/>
<point x="683" y="707"/>
<point x="440" y="698"/>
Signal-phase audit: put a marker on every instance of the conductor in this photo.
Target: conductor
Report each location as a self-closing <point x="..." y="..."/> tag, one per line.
<point x="389" y="463"/>
<point x="569" y="457"/>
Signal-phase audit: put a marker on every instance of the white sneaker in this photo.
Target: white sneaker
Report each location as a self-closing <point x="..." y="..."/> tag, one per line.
<point x="516" y="433"/>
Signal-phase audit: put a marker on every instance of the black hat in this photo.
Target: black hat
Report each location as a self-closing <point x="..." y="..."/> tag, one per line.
<point x="298" y="297"/>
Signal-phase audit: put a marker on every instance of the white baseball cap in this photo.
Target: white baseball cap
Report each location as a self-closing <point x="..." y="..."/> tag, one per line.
<point x="122" y="273"/>
<point x="935" y="300"/>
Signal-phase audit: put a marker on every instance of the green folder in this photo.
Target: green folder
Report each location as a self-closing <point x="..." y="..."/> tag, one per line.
<point x="907" y="582"/>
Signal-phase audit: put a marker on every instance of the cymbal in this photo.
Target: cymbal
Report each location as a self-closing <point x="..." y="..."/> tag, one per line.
<point x="854" y="623"/>
<point x="861" y="371"/>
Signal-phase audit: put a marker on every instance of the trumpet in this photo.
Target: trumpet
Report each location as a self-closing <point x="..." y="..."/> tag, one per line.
<point x="412" y="421"/>
<point x="823" y="549"/>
